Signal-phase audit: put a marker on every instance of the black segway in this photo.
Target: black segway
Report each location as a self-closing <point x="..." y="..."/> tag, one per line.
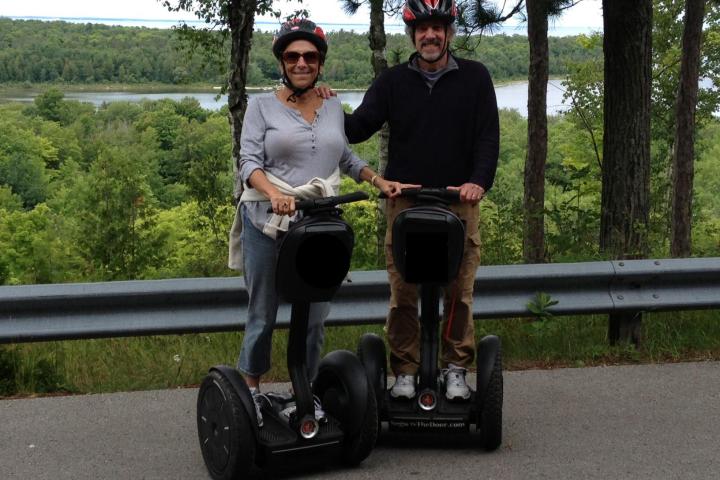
<point x="428" y="244"/>
<point x="313" y="259"/>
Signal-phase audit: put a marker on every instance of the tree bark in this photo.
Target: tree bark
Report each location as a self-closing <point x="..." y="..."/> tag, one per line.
<point x="627" y="46"/>
<point x="378" y="41"/>
<point x="684" y="151"/>
<point x="626" y="144"/>
<point x="534" y="193"/>
<point x="241" y="18"/>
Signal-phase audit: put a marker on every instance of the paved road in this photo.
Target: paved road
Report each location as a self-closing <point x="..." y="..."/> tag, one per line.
<point x="639" y="422"/>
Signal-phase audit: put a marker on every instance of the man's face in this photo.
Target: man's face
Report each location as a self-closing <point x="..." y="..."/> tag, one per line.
<point x="430" y="39"/>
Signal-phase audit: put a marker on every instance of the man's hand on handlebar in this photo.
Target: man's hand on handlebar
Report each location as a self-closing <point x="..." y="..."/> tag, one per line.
<point x="470" y="192"/>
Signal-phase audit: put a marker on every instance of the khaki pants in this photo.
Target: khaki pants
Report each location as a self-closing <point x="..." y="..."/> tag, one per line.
<point x="403" y="326"/>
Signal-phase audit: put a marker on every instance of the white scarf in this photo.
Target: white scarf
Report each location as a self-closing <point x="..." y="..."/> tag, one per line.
<point x="315" y="188"/>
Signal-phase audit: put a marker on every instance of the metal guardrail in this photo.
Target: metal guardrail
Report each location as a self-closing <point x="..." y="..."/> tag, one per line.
<point x="95" y="310"/>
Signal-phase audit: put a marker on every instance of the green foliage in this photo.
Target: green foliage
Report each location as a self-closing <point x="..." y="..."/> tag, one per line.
<point x="205" y="149"/>
<point x="540" y="305"/>
<point x="116" y="204"/>
<point x="363" y="216"/>
<point x="191" y="245"/>
<point x="58" y="52"/>
<point x="8" y="200"/>
<point x="23" y="158"/>
<point x="501" y="210"/>
<point x="32" y="251"/>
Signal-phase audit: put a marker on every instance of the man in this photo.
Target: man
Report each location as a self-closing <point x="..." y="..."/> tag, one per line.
<point x="444" y="132"/>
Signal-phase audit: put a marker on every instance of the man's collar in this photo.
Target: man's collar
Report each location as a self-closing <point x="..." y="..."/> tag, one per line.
<point x="413" y="62"/>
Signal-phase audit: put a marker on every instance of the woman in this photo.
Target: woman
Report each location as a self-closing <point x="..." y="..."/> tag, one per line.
<point x="292" y="144"/>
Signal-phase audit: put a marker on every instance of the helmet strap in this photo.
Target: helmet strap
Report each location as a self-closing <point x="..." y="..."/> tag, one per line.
<point x="296" y="91"/>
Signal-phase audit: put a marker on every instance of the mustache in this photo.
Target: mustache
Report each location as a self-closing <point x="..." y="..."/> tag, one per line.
<point x="431" y="42"/>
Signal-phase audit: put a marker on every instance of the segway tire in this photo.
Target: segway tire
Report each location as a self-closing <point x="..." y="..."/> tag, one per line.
<point x="371" y="352"/>
<point x="227" y="441"/>
<point x="346" y="395"/>
<point x="357" y="447"/>
<point x="490" y="407"/>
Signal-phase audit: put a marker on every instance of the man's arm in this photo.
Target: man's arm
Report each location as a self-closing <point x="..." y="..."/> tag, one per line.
<point x="369" y="117"/>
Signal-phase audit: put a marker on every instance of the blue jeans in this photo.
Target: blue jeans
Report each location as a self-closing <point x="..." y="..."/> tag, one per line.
<point x="259" y="260"/>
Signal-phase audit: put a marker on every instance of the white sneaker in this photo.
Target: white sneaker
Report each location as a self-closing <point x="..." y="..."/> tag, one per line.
<point x="455" y="386"/>
<point x="404" y="387"/>
<point x="258" y="398"/>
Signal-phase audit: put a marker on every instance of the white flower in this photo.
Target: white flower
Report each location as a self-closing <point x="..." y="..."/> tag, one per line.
<point x="176" y="358"/>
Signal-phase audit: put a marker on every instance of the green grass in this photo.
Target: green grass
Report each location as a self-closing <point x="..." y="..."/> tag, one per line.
<point x="124" y="364"/>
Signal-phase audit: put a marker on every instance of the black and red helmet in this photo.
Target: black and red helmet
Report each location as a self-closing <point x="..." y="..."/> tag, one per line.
<point x="299" y="29"/>
<point x="418" y="10"/>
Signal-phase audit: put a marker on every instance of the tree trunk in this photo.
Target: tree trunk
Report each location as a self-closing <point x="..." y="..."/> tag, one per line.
<point x="378" y="41"/>
<point x="534" y="196"/>
<point x="241" y="16"/>
<point x="377" y="37"/>
<point x="626" y="144"/>
<point x="684" y="151"/>
<point x="624" y="219"/>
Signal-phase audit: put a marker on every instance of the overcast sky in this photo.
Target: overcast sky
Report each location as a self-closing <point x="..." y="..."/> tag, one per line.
<point x="587" y="14"/>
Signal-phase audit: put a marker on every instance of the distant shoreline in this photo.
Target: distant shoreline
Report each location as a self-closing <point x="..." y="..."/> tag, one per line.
<point x="7" y="89"/>
<point x="394" y="27"/>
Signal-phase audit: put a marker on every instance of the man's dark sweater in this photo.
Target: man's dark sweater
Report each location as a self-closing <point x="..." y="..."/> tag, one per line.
<point x="439" y="137"/>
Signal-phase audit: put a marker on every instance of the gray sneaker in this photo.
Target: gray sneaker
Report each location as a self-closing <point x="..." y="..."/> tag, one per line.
<point x="258" y="399"/>
<point x="455" y="385"/>
<point x="319" y="412"/>
<point x="404" y="387"/>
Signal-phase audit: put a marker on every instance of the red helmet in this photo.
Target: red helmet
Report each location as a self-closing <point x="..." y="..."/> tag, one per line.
<point x="418" y="10"/>
<point x="299" y="29"/>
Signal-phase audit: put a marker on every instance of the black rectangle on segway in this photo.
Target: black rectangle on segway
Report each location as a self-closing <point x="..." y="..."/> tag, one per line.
<point x="424" y="262"/>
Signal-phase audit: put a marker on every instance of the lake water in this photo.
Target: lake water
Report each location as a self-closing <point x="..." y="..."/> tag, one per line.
<point x="512" y="96"/>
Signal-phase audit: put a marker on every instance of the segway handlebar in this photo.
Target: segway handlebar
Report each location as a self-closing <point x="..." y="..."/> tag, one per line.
<point x="328" y="202"/>
<point x="444" y="195"/>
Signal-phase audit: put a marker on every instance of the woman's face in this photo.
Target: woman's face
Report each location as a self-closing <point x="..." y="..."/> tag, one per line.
<point x="302" y="63"/>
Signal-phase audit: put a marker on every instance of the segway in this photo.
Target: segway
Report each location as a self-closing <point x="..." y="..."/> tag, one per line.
<point x="428" y="244"/>
<point x="313" y="260"/>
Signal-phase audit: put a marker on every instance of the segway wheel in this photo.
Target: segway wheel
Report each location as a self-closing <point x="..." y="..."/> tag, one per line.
<point x="226" y="437"/>
<point x="339" y="383"/>
<point x="490" y="405"/>
<point x="357" y="447"/>
<point x="371" y="352"/>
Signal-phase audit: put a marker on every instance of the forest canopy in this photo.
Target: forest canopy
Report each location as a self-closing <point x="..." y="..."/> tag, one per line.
<point x="44" y="52"/>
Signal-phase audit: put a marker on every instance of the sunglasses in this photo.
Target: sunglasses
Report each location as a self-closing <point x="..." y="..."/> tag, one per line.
<point x="294" y="57"/>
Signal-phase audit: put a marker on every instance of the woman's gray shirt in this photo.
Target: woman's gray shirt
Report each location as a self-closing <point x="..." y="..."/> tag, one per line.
<point x="277" y="139"/>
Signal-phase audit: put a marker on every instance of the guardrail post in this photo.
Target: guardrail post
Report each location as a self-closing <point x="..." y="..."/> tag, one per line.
<point x="625" y="327"/>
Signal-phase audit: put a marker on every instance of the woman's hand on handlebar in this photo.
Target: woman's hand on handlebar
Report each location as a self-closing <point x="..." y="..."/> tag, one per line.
<point x="282" y="204"/>
<point x="392" y="189"/>
<point x="470" y="192"/>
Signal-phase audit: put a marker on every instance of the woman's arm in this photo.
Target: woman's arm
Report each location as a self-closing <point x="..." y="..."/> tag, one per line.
<point x="390" y="188"/>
